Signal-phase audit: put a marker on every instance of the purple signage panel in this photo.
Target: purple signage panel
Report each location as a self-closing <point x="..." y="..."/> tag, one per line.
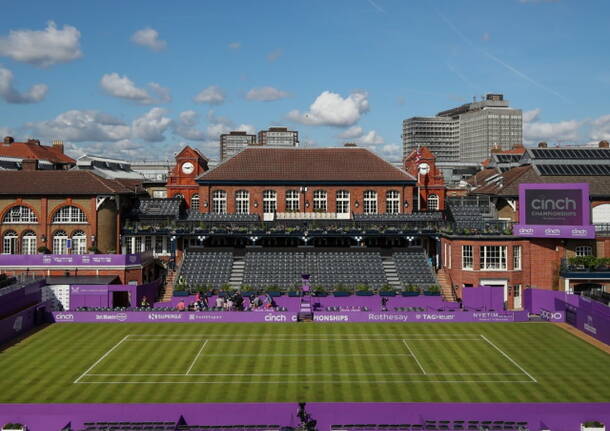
<point x="70" y="260"/>
<point x="554" y="211"/>
<point x="285" y="317"/>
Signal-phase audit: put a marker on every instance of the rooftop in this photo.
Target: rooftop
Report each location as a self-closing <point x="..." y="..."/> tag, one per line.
<point x="32" y="149"/>
<point x="58" y="182"/>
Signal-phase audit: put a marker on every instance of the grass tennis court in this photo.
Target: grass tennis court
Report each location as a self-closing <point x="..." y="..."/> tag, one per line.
<point x="182" y="363"/>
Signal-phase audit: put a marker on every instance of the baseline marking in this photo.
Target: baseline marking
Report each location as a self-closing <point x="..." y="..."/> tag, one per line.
<point x="312" y="381"/>
<point x="509" y="358"/>
<point x="101" y="359"/>
<point x="196" y="357"/>
<point x="414" y="357"/>
<point x="305" y="374"/>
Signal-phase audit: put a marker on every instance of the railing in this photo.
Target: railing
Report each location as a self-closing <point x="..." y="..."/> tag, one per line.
<point x="595" y="265"/>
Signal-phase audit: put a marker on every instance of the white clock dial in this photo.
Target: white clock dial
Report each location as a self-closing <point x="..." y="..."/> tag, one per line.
<point x="424" y="168"/>
<point x="188" y="168"/>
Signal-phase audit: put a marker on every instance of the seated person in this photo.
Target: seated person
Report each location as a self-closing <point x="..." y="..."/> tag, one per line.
<point x="144" y="303"/>
<point x="181" y="306"/>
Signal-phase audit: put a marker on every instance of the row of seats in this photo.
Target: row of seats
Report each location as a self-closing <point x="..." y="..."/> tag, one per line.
<point x="413" y="268"/>
<point x="207" y="268"/>
<point x="467" y="216"/>
<point x="213" y="217"/>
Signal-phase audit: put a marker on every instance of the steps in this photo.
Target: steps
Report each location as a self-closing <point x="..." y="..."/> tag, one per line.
<point x="237" y="272"/>
<point x="446" y="286"/>
<point x="168" y="291"/>
<point x="391" y="273"/>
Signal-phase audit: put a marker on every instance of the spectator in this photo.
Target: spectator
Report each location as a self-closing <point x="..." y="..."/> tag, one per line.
<point x="220" y="302"/>
<point x="144" y="303"/>
<point x="181" y="306"/>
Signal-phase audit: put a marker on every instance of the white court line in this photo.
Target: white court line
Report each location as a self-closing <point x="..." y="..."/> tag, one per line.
<point x="102" y="358"/>
<point x="300" y="336"/>
<point x="304" y="354"/>
<point x="414" y="357"/>
<point x="291" y="382"/>
<point x="196" y="357"/>
<point x="509" y="358"/>
<point x="304" y="374"/>
<point x="242" y="340"/>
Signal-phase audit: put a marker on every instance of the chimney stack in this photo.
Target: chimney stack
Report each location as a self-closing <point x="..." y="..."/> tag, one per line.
<point x="33" y="141"/>
<point x="542" y="145"/>
<point x="8" y="140"/>
<point x="603" y="144"/>
<point x="350" y="144"/>
<point x="58" y="145"/>
<point x="29" y="165"/>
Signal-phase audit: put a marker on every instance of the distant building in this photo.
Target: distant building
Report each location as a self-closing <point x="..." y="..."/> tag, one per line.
<point x="108" y="168"/>
<point x="12" y="154"/>
<point x="467" y="133"/>
<point x="155" y="173"/>
<point x="278" y="137"/>
<point x="233" y="142"/>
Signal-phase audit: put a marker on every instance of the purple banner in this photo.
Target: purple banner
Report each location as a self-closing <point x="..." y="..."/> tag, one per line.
<point x="554" y="211"/>
<point x="96" y="260"/>
<point x="286" y="317"/>
<point x="553" y="316"/>
<point x="14" y="325"/>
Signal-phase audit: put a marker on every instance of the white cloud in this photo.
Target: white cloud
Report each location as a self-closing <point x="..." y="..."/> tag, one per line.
<point x="212" y="95"/>
<point x="234" y="45"/>
<point x="124" y="88"/>
<point x="8" y="92"/>
<point x="562" y="132"/>
<point x="186" y="127"/>
<point x="600" y="129"/>
<point x="330" y="109"/>
<point x="370" y="138"/>
<point x="6" y="131"/>
<point x="42" y="48"/>
<point x="351" y="133"/>
<point x="390" y="151"/>
<point x="248" y="128"/>
<point x="266" y="94"/>
<point x="274" y="55"/>
<point x="149" y="37"/>
<point x="151" y="126"/>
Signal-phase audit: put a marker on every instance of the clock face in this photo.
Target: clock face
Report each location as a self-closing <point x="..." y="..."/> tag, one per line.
<point x="424" y="168"/>
<point x="188" y="168"/>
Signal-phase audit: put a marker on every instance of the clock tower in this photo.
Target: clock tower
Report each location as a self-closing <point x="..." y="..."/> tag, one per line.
<point x="190" y="163"/>
<point x="421" y="163"/>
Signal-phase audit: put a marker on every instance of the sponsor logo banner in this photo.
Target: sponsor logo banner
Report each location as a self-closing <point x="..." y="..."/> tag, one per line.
<point x="552" y="316"/>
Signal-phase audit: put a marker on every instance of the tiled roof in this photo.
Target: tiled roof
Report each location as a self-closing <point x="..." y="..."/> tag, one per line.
<point x="160" y="207"/>
<point x="57" y="182"/>
<point x="29" y="150"/>
<point x="341" y="165"/>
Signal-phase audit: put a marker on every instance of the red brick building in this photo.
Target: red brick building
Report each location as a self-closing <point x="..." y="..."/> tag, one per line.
<point x="339" y="181"/>
<point x="190" y="164"/>
<point x="52" y="157"/>
<point x="431" y="189"/>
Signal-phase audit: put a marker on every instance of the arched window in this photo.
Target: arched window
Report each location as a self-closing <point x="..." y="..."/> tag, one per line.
<point x="219" y="202"/>
<point x="20" y="214"/>
<point x="269" y="201"/>
<point x="433" y="202"/>
<point x="342" y="201"/>
<point x="9" y="242"/>
<point x="242" y="202"/>
<point x="28" y="243"/>
<point x="319" y="200"/>
<point x="195" y="203"/>
<point x="292" y="200"/>
<point x="392" y="202"/>
<point x="60" y="239"/>
<point x="69" y="214"/>
<point x="79" y="242"/>
<point x="178" y="196"/>
<point x="370" y="202"/>
<point x="584" y="250"/>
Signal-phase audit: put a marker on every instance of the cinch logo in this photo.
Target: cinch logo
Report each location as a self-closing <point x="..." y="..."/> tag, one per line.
<point x="275" y="318"/>
<point x="548" y="315"/>
<point x="551" y="231"/>
<point x="64" y="317"/>
<point x="579" y="232"/>
<point x="164" y="316"/>
<point x="525" y="230"/>
<point x="554" y="204"/>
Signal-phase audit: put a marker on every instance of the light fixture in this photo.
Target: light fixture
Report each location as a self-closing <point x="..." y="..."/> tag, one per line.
<point x="356" y="204"/>
<point x="406" y="204"/>
<point x="306" y="204"/>
<point x="255" y="204"/>
<point x="205" y="204"/>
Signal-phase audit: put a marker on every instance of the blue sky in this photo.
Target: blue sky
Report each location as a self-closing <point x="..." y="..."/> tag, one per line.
<point x="140" y="79"/>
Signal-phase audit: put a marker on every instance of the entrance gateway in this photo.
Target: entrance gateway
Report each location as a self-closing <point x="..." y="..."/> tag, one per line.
<point x="497" y="283"/>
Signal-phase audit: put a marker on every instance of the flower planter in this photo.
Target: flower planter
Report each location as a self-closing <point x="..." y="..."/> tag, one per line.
<point x="364" y="293"/>
<point x="13" y="427"/>
<point x="320" y="294"/>
<point x="387" y="293"/>
<point x="432" y="293"/>
<point x="294" y="294"/>
<point x="409" y="293"/>
<point x="181" y="293"/>
<point x="341" y="294"/>
<point x="275" y="294"/>
<point x="592" y="426"/>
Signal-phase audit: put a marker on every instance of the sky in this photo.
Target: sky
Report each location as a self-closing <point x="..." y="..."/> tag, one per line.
<point x="141" y="79"/>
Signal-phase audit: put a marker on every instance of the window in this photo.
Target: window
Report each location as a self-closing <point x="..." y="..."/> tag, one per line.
<point x="20" y="214"/>
<point x="159" y="245"/>
<point x="517" y="257"/>
<point x="195" y="203"/>
<point x="493" y="257"/>
<point x="467" y="257"/>
<point x="129" y="244"/>
<point x="584" y="250"/>
<point x="319" y="200"/>
<point x="219" y="202"/>
<point x="79" y="242"/>
<point x="342" y="201"/>
<point x="292" y="200"/>
<point x="178" y="196"/>
<point x="69" y="214"/>
<point x="60" y="242"/>
<point x="28" y="243"/>
<point x="370" y="202"/>
<point x="148" y="243"/>
<point x="9" y="242"/>
<point x="137" y="247"/>
<point x="392" y="202"/>
<point x="161" y="194"/>
<point x="433" y="202"/>
<point x="242" y="202"/>
<point x="269" y="201"/>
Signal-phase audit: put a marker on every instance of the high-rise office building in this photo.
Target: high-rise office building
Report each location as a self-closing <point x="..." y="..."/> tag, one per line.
<point x="466" y="133"/>
<point x="278" y="137"/>
<point x="233" y="142"/>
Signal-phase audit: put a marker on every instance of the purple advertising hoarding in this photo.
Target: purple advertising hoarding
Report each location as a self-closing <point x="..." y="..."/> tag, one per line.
<point x="96" y="260"/>
<point x="285" y="317"/>
<point x="554" y="211"/>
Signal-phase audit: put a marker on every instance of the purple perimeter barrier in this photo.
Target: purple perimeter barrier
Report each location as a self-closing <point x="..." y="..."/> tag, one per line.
<point x="558" y="417"/>
<point x="284" y="317"/>
<point x="101" y="296"/>
<point x="70" y="260"/>
<point x="487" y="297"/>
<point x="12" y="326"/>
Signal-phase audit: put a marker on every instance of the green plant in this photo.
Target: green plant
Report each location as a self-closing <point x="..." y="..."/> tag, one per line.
<point x="319" y="289"/>
<point x="43" y="249"/>
<point x="434" y="289"/>
<point x="94" y="250"/>
<point x="586" y="261"/>
<point x="362" y="288"/>
<point x="13" y="426"/>
<point x="593" y="424"/>
<point x="411" y="288"/>
<point x="386" y="288"/>
<point x="342" y="288"/>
